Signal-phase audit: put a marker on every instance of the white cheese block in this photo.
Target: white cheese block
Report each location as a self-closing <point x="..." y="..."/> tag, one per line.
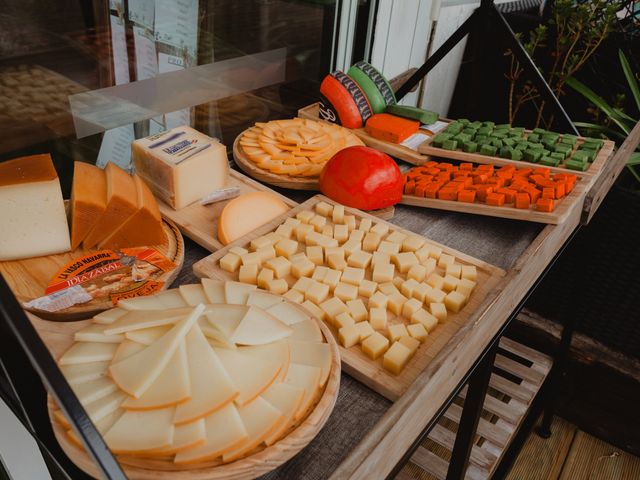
<point x="136" y="373"/>
<point x="258" y="327"/>
<point x="104" y="406"/>
<point x="307" y="378"/>
<point x="193" y="294"/>
<point x="185" y="437"/>
<point x="147" y="336"/>
<point x="226" y="318"/>
<point x="237" y="293"/>
<point x="109" y="316"/>
<point x="139" y="319"/>
<point x="287" y="399"/>
<point x="287" y="313"/>
<point x="214" y="290"/>
<point x="306" y="330"/>
<point x="93" y="390"/>
<point x="313" y="354"/>
<point x="263" y="299"/>
<point x="211" y="387"/>
<point x="137" y="432"/>
<point x="166" y="299"/>
<point x="126" y="349"/>
<point x="95" y="333"/>
<point x="84" y="372"/>
<point x="271" y="352"/>
<point x="86" y="352"/>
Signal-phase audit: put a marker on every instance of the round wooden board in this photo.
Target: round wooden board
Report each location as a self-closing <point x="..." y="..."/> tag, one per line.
<point x="263" y="460"/>
<point x="29" y="277"/>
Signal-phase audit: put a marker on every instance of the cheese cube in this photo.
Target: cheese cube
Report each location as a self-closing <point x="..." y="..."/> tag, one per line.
<point x="350" y="222"/>
<point x="450" y="283"/>
<point x="340" y="233"/>
<point x="313" y="309"/>
<point x="281" y="266"/>
<point x="273" y="237"/>
<point x="317" y="293"/>
<point x="367" y="288"/>
<point x="344" y="320"/>
<point x="315" y="254"/>
<point x="470" y="272"/>
<point x="350" y="247"/>
<point x="446" y="259"/>
<point x="438" y="310"/>
<point x="417" y="272"/>
<point x="332" y="278"/>
<point x="435" y="295"/>
<point x="337" y="216"/>
<point x="455" y="301"/>
<point x="388" y="288"/>
<point x="238" y="250"/>
<point x="349" y="336"/>
<point x="430" y="266"/>
<point x="248" y="274"/>
<point x="264" y="277"/>
<point x="383" y="273"/>
<point x="251" y="258"/>
<point x="396" y="302"/>
<point x="396" y="237"/>
<point x="380" y="228"/>
<point x="336" y="261"/>
<point x="333" y="251"/>
<point x="370" y="242"/>
<point x="365" y="330"/>
<point x="408" y="286"/>
<point x="230" y="262"/>
<point x="319" y="273"/>
<point x="365" y="224"/>
<point x="455" y="270"/>
<point x="327" y="231"/>
<point x="286" y="247"/>
<point x="259" y="242"/>
<point x="292" y="221"/>
<point x="266" y="253"/>
<point x="353" y="275"/>
<point x="357" y="310"/>
<point x="404" y="261"/>
<point x="318" y="222"/>
<point x="378" y="318"/>
<point x="302" y="284"/>
<point x="278" y="286"/>
<point x="424" y="318"/>
<point x="396" y="331"/>
<point x="380" y="257"/>
<point x="466" y="286"/>
<point x="410" y="342"/>
<point x="378" y="300"/>
<point x="357" y="235"/>
<point x="302" y="268"/>
<point x="322" y="240"/>
<point x="324" y="209"/>
<point x="297" y="257"/>
<point x="436" y="281"/>
<point x="388" y="247"/>
<point x="412" y="243"/>
<point x="359" y="259"/>
<point x="333" y="307"/>
<point x="410" y="307"/>
<point x="375" y="345"/>
<point x="423" y="253"/>
<point x="285" y="231"/>
<point x="305" y="215"/>
<point x="396" y="358"/>
<point x="417" y="331"/>
<point x="301" y="231"/>
<point x="420" y="292"/>
<point x="345" y="291"/>
<point x="295" y="296"/>
<point x="398" y="281"/>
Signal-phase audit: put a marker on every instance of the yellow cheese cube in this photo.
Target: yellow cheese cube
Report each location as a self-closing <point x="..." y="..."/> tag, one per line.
<point x="324" y="209"/>
<point x="333" y="307"/>
<point x="346" y="291"/>
<point x="351" y="247"/>
<point x="388" y="288"/>
<point x="424" y="318"/>
<point x="435" y="295"/>
<point x="315" y="254"/>
<point x="292" y="221"/>
<point x="238" y="250"/>
<point x="357" y="235"/>
<point x="259" y="242"/>
<point x="408" y="286"/>
<point x="313" y="309"/>
<point x="357" y="310"/>
<point x="353" y="275"/>
<point x="336" y="261"/>
<point x="410" y="307"/>
<point x="404" y="261"/>
<point x="378" y="318"/>
<point x="446" y="259"/>
<point x="417" y="331"/>
<point x="301" y="231"/>
<point x="470" y="272"/>
<point x="327" y="231"/>
<point x="436" y="281"/>
<point x="396" y="237"/>
<point x="297" y="257"/>
<point x="420" y="292"/>
<point x="264" y="277"/>
<point x="317" y="292"/>
<point x="465" y="287"/>
<point x="340" y="233"/>
<point x="332" y="278"/>
<point x="302" y="268"/>
<point x="295" y="296"/>
<point x="365" y="330"/>
<point x="417" y="272"/>
<point x="367" y="288"/>
<point x="455" y="301"/>
<point x="380" y="258"/>
<point x="396" y="331"/>
<point x="398" y="281"/>
<point x="396" y="358"/>
<point x="305" y="215"/>
<point x="337" y="216"/>
<point x="370" y="242"/>
<point x="286" y="247"/>
<point x="410" y="342"/>
<point x="375" y="345"/>
<point x="230" y="262"/>
<point x="333" y="251"/>
<point x="388" y="247"/>
<point x="350" y="222"/>
<point x="412" y="243"/>
<point x="281" y="266"/>
<point x="248" y="274"/>
<point x="266" y="253"/>
<point x="277" y="286"/>
<point x="359" y="259"/>
<point x="430" y="266"/>
<point x="318" y="222"/>
<point x="365" y="224"/>
<point x="285" y="231"/>
<point x="349" y="336"/>
<point x="438" y="310"/>
<point x="450" y="283"/>
<point x="380" y="228"/>
<point x="319" y="273"/>
<point x="423" y="253"/>
<point x="302" y="284"/>
<point x="378" y="300"/>
<point x="251" y="258"/>
<point x="455" y="270"/>
<point x="396" y="302"/>
<point x="383" y="273"/>
<point x="344" y="320"/>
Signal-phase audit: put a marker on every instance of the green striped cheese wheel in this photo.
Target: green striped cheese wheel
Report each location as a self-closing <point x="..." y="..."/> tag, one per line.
<point x="376" y="100"/>
<point x="379" y="81"/>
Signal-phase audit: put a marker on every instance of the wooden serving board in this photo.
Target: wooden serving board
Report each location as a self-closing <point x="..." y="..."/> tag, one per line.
<point x="367" y="371"/>
<point x="200" y="222"/>
<point x="59" y="337"/>
<point x="29" y="277"/>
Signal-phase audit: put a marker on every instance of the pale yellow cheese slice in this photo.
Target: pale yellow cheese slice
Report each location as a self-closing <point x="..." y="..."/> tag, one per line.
<point x="136" y="373"/>
<point x="307" y="378"/>
<point x="287" y="399"/>
<point x="260" y="418"/>
<point x="170" y="388"/>
<point x="104" y="406"/>
<point x="249" y="377"/>
<point x="211" y="387"/>
<point x="237" y="293"/>
<point x="193" y="294"/>
<point x="167" y="299"/>
<point x="263" y="299"/>
<point x="93" y="390"/>
<point x="84" y="372"/>
<point x="102" y="426"/>
<point x="313" y="354"/>
<point x="126" y="349"/>
<point x="287" y="313"/>
<point x="214" y="336"/>
<point x="109" y="316"/>
<point x="224" y="431"/>
<point x="185" y="437"/>
<point x="270" y="352"/>
<point x="147" y="336"/>
<point x="257" y="327"/>
<point x="95" y="333"/>
<point x="135" y="320"/>
<point x="226" y="318"/>
<point x="214" y="290"/>
<point x="135" y="433"/>
<point x="86" y="352"/>
<point x="307" y="330"/>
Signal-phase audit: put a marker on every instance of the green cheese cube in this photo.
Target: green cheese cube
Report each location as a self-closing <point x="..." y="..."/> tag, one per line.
<point x="535" y="146"/>
<point x="477" y="124"/>
<point x="558" y="155"/>
<point x="489" y="150"/>
<point x="439" y="139"/>
<point x="503" y="125"/>
<point x="563" y="148"/>
<point x="509" y="142"/>
<point x="462" y="137"/>
<point x="568" y="140"/>
<point x="505" y="152"/>
<point x="532" y="155"/>
<point x="522" y="146"/>
<point x="516" y="155"/>
<point x="580" y="156"/>
<point x="469" y="131"/>
<point x="464" y="121"/>
<point x="533" y="137"/>
<point x="481" y="138"/>
<point x="539" y="131"/>
<point x="499" y="134"/>
<point x="470" y="147"/>
<point x="549" y="161"/>
<point x="489" y="123"/>
<point x="496" y="142"/>
<point x="450" y="144"/>
<point x="484" y="131"/>
<point x="575" y="165"/>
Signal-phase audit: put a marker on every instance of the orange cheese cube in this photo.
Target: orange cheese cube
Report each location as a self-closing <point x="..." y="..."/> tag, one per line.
<point x="390" y="128"/>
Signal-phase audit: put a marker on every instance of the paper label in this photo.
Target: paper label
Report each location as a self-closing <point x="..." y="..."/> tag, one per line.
<point x="176" y="23"/>
<point x="172" y="63"/>
<point x="60" y="300"/>
<point x="146" y="58"/>
<point x="415" y="140"/>
<point x="435" y="127"/>
<point x="142" y="12"/>
<point x="177" y="146"/>
<point x="116" y="147"/>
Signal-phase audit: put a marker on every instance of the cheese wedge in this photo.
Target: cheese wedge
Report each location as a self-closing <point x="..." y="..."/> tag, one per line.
<point x="95" y="333"/>
<point x="109" y="316"/>
<point x="257" y="327"/>
<point x="307" y="330"/>
<point x="259" y="418"/>
<point x="147" y="336"/>
<point x="226" y="318"/>
<point x="84" y="372"/>
<point x="166" y="299"/>
<point x="144" y="227"/>
<point x="249" y="378"/>
<point x="237" y="293"/>
<point x="212" y="333"/>
<point x="211" y="387"/>
<point x="312" y="354"/>
<point x="185" y="437"/>
<point x="121" y="204"/>
<point x="136" y="433"/>
<point x="143" y="319"/>
<point x="224" y="431"/>
<point x="102" y="426"/>
<point x="136" y="373"/>
<point x="193" y="294"/>
<point x="104" y="406"/>
<point x="93" y="390"/>
<point x="88" y="200"/>
<point x="214" y="290"/>
<point x="126" y="349"/>
<point x="307" y="378"/>
<point x="86" y="352"/>
<point x="287" y="399"/>
<point x="172" y="386"/>
<point x="270" y="352"/>
<point x="263" y="300"/>
<point x="287" y="313"/>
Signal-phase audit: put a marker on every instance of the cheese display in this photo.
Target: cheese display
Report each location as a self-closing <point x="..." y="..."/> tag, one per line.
<point x="181" y="394"/>
<point x="88" y="200"/>
<point x="375" y="86"/>
<point x="32" y="210"/>
<point x="295" y="147"/>
<point x="343" y="101"/>
<point x="377" y="287"/>
<point x="181" y="165"/>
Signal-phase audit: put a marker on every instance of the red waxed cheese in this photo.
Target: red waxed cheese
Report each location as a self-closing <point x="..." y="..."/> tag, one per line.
<point x="362" y="177"/>
<point x="390" y="128"/>
<point x="342" y="102"/>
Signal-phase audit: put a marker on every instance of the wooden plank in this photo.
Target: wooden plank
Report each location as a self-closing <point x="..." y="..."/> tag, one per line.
<point x="514" y="390"/>
<point x="430" y="462"/>
<point x="528" y="353"/>
<point x="511" y="412"/>
<point x="486" y="429"/>
<point x="370" y="372"/>
<point x="446" y="438"/>
<point x="519" y="369"/>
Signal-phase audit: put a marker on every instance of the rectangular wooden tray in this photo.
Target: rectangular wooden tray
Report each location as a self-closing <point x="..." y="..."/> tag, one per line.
<point x="370" y="372"/>
<point x="200" y="222"/>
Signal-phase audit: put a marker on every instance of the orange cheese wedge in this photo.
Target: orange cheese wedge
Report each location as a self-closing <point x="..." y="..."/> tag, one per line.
<point x="88" y="200"/>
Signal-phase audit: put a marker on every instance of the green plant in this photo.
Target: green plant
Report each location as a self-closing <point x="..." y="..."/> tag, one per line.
<point x="617" y="124"/>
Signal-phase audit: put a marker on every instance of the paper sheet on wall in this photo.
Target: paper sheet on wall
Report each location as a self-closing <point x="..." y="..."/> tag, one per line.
<point x="116" y="147"/>
<point x="142" y="12"/>
<point x="171" y="63"/>
<point x="119" y="49"/>
<point x="147" y="66"/>
<point x="176" y="23"/>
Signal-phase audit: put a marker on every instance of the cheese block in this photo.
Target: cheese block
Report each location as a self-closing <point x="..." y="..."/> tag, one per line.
<point x="95" y="333"/>
<point x="390" y="128"/>
<point x="313" y="354"/>
<point x="343" y="101"/>
<point x="32" y="213"/>
<point x="87" y="352"/>
<point x="166" y="299"/>
<point x="181" y="165"/>
<point x="84" y="372"/>
<point x="307" y="378"/>
<point x="144" y="227"/>
<point x="143" y="319"/>
<point x="193" y="294"/>
<point x="136" y="432"/>
<point x="136" y="373"/>
<point x="258" y="327"/>
<point x="88" y="200"/>
<point x="121" y="204"/>
<point x="213" y="290"/>
<point x="247" y="212"/>
<point x="287" y="399"/>
<point x="146" y="336"/>
<point x="211" y="387"/>
<point x="185" y="437"/>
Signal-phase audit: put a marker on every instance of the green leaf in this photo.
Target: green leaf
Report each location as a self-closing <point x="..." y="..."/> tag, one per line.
<point x="631" y="80"/>
<point x="624" y="116"/>
<point x="634" y="159"/>
<point x="592" y="127"/>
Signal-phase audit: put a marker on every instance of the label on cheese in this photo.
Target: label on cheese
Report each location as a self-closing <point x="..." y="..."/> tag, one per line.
<point x="177" y="146"/>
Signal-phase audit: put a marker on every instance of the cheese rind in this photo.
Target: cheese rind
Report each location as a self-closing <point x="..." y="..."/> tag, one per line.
<point x="136" y="432"/>
<point x="88" y="200"/>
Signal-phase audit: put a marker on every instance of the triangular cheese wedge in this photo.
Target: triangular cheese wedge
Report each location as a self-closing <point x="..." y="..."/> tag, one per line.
<point x="84" y="372"/>
<point x="288" y="313"/>
<point x="224" y="431"/>
<point x="313" y="354"/>
<point x="307" y="331"/>
<point x="257" y="327"/>
<point x="170" y="388"/>
<point x="287" y="399"/>
<point x="211" y="387"/>
<point x="102" y="426"/>
<point x="193" y="294"/>
<point x="95" y="333"/>
<point x="86" y="352"/>
<point x="260" y="418"/>
<point x="126" y="349"/>
<point x="308" y="378"/>
<point x="88" y="200"/>
<point x="136" y="373"/>
<point x="104" y="406"/>
<point x="109" y="316"/>
<point x="212" y="333"/>
<point x="263" y="300"/>
<point x="249" y="377"/>
<point x="270" y="352"/>
<point x="147" y="336"/>
<point x="185" y="437"/>
<point x="214" y="290"/>
<point x="138" y="319"/>
<point x="167" y="299"/>
<point x="226" y="318"/>
<point x="237" y="293"/>
<point x="88" y="392"/>
<point x="135" y="433"/>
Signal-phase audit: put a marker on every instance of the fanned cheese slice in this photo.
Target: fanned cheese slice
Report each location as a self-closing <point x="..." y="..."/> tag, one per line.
<point x="237" y="293"/>
<point x="193" y="294"/>
<point x="138" y="319"/>
<point x="307" y="331"/>
<point x="214" y="290"/>
<point x="260" y="418"/>
<point x="308" y="378"/>
<point x="93" y="390"/>
<point x="226" y="318"/>
<point x="287" y="313"/>
<point x="185" y="437"/>
<point x="102" y="426"/>
<point x="263" y="299"/>
<point x="214" y="336"/>
<point x="109" y="316"/>
<point x="135" y="433"/>
<point x="287" y="399"/>
<point x="126" y="349"/>
<point x="211" y="387"/>
<point x="166" y="299"/>
<point x="312" y="354"/>
<point x="249" y="377"/>
<point x="257" y="327"/>
<point x="224" y="431"/>
<point x="104" y="406"/>
<point x="84" y="372"/>
<point x="136" y="373"/>
<point x="86" y="352"/>
<point x="170" y="388"/>
<point x="270" y="352"/>
<point x="147" y="336"/>
<point x="95" y="333"/>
